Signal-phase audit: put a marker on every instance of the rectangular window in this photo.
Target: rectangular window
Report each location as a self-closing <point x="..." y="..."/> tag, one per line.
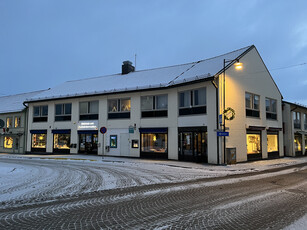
<point x="272" y="143"/>
<point x="89" y="110"/>
<point x="63" y="112"/>
<point x="297" y="120"/>
<point x="253" y="142"/>
<point x="39" y="141"/>
<point x="252" y="105"/>
<point x="119" y="108"/>
<point x="40" y="113"/>
<point x="113" y="141"/>
<point x="17" y="122"/>
<point x="270" y="107"/>
<point x="298" y="144"/>
<point x="305" y="145"/>
<point x="61" y="141"/>
<point x="8" y="142"/>
<point x="154" y="106"/>
<point x="305" y="121"/>
<point x="192" y="102"/>
<point x="9" y="121"/>
<point x="135" y="144"/>
<point x="154" y="143"/>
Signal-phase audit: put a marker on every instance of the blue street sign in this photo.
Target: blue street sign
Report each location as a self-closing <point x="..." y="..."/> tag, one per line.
<point x="222" y="134"/>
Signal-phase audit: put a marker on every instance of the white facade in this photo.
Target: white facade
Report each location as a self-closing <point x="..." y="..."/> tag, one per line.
<point x="184" y="131"/>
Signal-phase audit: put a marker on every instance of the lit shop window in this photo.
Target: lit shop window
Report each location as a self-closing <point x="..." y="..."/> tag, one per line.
<point x="9" y="121"/>
<point x="63" y="112"/>
<point x="17" y="122"/>
<point x="61" y="141"/>
<point x="252" y="105"/>
<point x="154" y="106"/>
<point x="113" y="141"/>
<point x="271" y="110"/>
<point x="89" y="110"/>
<point x="305" y="144"/>
<point x="154" y="142"/>
<point x="272" y="142"/>
<point x="8" y="142"/>
<point x="40" y="113"/>
<point x="192" y="102"/>
<point x="253" y="143"/>
<point x="39" y="140"/>
<point x="119" y="108"/>
<point x="298" y="142"/>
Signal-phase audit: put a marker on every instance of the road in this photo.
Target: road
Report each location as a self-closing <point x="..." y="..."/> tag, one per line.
<point x="260" y="200"/>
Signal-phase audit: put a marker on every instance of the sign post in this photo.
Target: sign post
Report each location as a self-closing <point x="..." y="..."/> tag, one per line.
<point x="103" y="130"/>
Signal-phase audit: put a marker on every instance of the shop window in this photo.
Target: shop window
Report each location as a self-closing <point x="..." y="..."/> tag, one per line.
<point x="154" y="106"/>
<point x="192" y="102"/>
<point x="61" y="141"/>
<point x="297" y="120"/>
<point x="271" y="110"/>
<point x="17" y="122"/>
<point x="40" y="113"/>
<point x="8" y="142"/>
<point x="252" y="106"/>
<point x="305" y="145"/>
<point x="305" y="121"/>
<point x="119" y="108"/>
<point x="63" y="112"/>
<point x="154" y="143"/>
<point x="113" y="141"/>
<point x="89" y="110"/>
<point x="298" y="143"/>
<point x="272" y="141"/>
<point x="9" y="121"/>
<point x="39" y="141"/>
<point x="253" y="143"/>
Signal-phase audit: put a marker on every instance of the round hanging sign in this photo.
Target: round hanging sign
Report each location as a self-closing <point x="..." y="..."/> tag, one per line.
<point x="103" y="130"/>
<point x="229" y="114"/>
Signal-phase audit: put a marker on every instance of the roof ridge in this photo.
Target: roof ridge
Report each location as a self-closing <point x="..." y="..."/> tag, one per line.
<point x="19" y="94"/>
<point x="163" y="67"/>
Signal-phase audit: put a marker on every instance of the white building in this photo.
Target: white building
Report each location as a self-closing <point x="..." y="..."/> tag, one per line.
<point x="171" y="112"/>
<point x="13" y="125"/>
<point x="295" y="129"/>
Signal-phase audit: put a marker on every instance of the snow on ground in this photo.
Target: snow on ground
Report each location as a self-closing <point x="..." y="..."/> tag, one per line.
<point x="30" y="178"/>
<point x="300" y="224"/>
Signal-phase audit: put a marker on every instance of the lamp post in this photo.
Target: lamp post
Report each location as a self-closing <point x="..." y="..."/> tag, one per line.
<point x="238" y="66"/>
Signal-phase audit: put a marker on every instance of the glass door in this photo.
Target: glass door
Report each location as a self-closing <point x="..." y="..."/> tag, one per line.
<point x="88" y="143"/>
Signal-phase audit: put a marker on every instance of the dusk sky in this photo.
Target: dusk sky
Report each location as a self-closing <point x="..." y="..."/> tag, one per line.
<point x="44" y="43"/>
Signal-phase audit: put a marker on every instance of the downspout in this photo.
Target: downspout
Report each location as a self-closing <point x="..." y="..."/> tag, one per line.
<point x="217" y="117"/>
<point x="26" y="127"/>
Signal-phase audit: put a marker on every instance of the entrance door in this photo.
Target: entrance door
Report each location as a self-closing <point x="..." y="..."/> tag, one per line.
<point x="124" y="144"/>
<point x="88" y="143"/>
<point x="193" y="145"/>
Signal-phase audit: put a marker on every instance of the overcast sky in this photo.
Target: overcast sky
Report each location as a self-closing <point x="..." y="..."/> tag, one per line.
<point x="46" y="42"/>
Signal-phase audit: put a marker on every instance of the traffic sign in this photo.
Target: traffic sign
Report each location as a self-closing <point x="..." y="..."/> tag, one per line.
<point x="222" y="134"/>
<point x="103" y="130"/>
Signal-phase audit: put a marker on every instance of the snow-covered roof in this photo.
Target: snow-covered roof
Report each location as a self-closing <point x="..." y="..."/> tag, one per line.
<point x="14" y="103"/>
<point x="139" y="80"/>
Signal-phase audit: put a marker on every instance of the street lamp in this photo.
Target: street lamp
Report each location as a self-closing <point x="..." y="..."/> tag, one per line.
<point x="238" y="66"/>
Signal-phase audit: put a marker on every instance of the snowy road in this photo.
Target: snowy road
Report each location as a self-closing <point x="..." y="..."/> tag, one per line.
<point x="90" y="193"/>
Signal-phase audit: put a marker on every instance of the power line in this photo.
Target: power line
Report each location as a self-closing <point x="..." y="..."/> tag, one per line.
<point x="290" y="66"/>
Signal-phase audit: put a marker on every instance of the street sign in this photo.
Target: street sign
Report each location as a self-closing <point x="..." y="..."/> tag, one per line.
<point x="222" y="134"/>
<point x="103" y="130"/>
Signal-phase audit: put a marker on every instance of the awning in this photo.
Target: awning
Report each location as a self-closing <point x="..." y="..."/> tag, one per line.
<point x="41" y="131"/>
<point x="274" y="129"/>
<point x="153" y="130"/>
<point x="256" y="128"/>
<point x="61" y="131"/>
<point x="87" y="131"/>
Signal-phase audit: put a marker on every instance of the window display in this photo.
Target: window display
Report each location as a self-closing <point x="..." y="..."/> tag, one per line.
<point x="39" y="140"/>
<point x="253" y="143"/>
<point x="154" y="142"/>
<point x="61" y="141"/>
<point x="8" y="142"/>
<point x="298" y="142"/>
<point x="272" y="142"/>
<point x="113" y="141"/>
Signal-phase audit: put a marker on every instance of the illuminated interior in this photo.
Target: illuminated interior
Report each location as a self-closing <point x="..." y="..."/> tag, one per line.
<point x="154" y="142"/>
<point x="8" y="142"/>
<point x="298" y="143"/>
<point x="253" y="143"/>
<point x="61" y="141"/>
<point x="272" y="142"/>
<point x="39" y="140"/>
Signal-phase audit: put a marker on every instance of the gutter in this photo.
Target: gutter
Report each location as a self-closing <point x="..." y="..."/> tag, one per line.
<point x="26" y="126"/>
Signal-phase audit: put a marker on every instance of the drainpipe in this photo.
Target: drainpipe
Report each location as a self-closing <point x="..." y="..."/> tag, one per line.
<point x="26" y="127"/>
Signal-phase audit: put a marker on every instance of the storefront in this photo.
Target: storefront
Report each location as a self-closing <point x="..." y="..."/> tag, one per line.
<point x="298" y="144"/>
<point x="38" y="140"/>
<point x="61" y="140"/>
<point x="88" y="137"/>
<point x="154" y="142"/>
<point x="192" y="143"/>
<point x="254" y="143"/>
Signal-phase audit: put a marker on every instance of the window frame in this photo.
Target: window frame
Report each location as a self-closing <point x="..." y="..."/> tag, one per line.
<point x="9" y="122"/>
<point x="4" y="142"/>
<point x="40" y="117"/>
<point x="63" y="116"/>
<point x="191" y="108"/>
<point x="115" y="138"/>
<point x="270" y="114"/>
<point x="18" y="123"/>
<point x="305" y="121"/>
<point x="154" y="112"/>
<point x="252" y="111"/>
<point x="296" y="119"/>
<point x="119" y="114"/>
<point x="88" y="115"/>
